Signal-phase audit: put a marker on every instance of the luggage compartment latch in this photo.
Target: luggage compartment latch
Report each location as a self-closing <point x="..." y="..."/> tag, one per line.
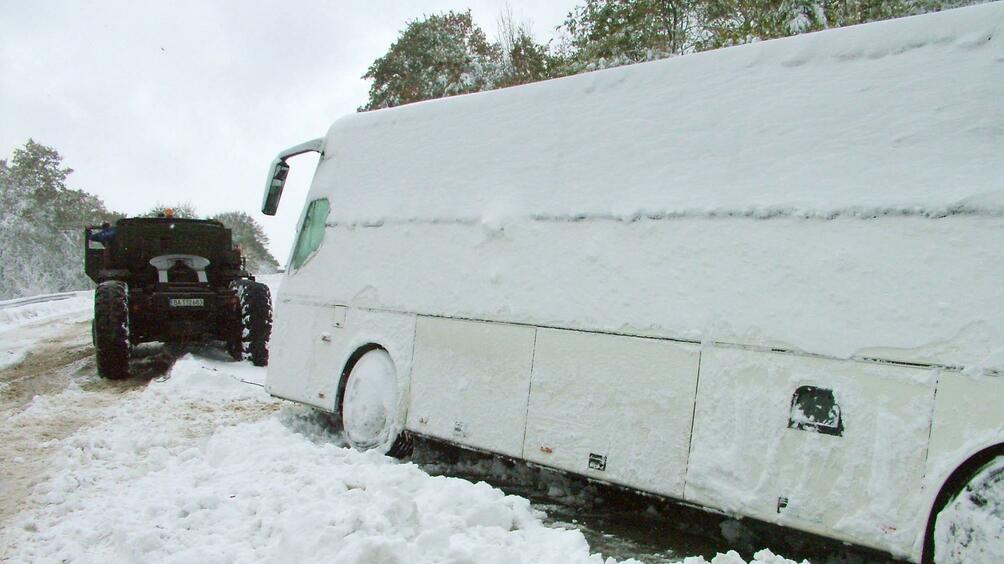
<point x="597" y="462"/>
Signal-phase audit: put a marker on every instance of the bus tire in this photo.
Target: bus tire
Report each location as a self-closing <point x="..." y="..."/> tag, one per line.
<point x="969" y="523"/>
<point x="369" y="404"/>
<point x="256" y="322"/>
<point x="111" y="329"/>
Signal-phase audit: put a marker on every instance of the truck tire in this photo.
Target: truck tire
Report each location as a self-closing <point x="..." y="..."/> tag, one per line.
<point x="256" y="320"/>
<point x="111" y="329"/>
<point x="236" y="350"/>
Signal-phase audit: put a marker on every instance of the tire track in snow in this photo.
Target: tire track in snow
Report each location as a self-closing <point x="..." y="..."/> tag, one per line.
<point x="48" y="396"/>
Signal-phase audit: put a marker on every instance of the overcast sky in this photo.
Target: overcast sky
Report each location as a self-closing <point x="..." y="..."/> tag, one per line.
<point x="154" y="102"/>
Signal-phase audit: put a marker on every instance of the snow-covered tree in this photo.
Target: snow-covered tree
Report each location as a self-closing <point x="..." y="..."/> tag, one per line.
<point x="734" y="22"/>
<point x="608" y="33"/>
<point x="184" y="210"/>
<point x="251" y="238"/>
<point x="522" y="59"/>
<point x="447" y="54"/>
<point x="438" y="56"/>
<point x="41" y="224"/>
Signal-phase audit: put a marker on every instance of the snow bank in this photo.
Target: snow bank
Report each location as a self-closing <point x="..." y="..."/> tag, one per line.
<point x="14" y="313"/>
<point x="200" y="467"/>
<point x="16" y="337"/>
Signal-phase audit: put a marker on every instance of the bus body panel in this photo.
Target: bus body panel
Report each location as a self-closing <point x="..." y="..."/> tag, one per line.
<point x="967" y="419"/>
<point x="905" y="289"/>
<point x="861" y="484"/>
<point x="470" y="383"/>
<point x="295" y="359"/>
<point x="613" y="408"/>
<point x="325" y="336"/>
<point x="811" y="214"/>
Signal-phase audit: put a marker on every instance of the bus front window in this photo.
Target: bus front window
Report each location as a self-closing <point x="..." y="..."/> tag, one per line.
<point x="311" y="232"/>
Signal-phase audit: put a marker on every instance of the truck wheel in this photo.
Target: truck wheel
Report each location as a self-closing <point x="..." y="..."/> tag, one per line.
<point x="369" y="406"/>
<point x="236" y="350"/>
<point x="256" y="321"/>
<point x="111" y="329"/>
<point x="970" y="527"/>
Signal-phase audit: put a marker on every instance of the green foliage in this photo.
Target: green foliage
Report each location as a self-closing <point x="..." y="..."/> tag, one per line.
<point x="605" y="33"/>
<point x="527" y="61"/>
<point x="251" y="238"/>
<point x="35" y="171"/>
<point x="522" y="60"/>
<point x="447" y="54"/>
<point x="733" y="22"/>
<point x="441" y="55"/>
<point x="840" y="13"/>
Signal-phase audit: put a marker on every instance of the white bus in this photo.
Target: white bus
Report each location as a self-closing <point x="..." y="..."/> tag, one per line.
<point x="766" y="280"/>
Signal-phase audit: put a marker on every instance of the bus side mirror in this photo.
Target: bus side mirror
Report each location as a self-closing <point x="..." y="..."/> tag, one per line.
<point x="274" y="189"/>
<point x="279" y="170"/>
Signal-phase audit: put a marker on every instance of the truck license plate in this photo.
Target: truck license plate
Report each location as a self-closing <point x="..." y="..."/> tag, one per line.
<point x="187" y="302"/>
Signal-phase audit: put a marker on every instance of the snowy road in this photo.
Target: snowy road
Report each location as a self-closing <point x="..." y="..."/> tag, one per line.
<point x="188" y="461"/>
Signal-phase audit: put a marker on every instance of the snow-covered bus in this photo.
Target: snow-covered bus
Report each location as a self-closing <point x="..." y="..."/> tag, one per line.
<point x="766" y="280"/>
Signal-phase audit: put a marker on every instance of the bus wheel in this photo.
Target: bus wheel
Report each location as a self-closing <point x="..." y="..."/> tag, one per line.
<point x="970" y="527"/>
<point x="370" y="406"/>
<point x="110" y="329"/>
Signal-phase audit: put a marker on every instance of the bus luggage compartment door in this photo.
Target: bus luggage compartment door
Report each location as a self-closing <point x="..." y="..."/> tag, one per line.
<point x="470" y="381"/>
<point x="614" y="408"/>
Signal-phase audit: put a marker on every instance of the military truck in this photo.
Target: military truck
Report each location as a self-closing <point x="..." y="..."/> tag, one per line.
<point x="172" y="280"/>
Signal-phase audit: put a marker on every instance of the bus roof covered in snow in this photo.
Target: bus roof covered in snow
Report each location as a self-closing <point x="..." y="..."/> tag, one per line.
<point x="902" y="116"/>
<point x="837" y="193"/>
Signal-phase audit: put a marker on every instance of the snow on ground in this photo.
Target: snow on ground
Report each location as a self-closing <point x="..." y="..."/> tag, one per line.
<point x="201" y="467"/>
<point x="200" y="464"/>
<point x="16" y="315"/>
<point x="732" y="557"/>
